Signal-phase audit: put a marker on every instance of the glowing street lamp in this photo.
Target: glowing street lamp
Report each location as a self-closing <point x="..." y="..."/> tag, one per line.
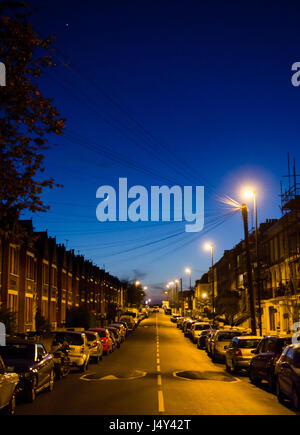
<point x="137" y="283"/>
<point x="249" y="193"/>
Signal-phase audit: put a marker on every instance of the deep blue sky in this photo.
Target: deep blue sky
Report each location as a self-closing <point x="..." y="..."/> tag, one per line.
<point x="210" y="81"/>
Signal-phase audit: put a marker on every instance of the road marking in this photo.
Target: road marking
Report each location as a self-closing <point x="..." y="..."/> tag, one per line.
<point x="158" y="368"/>
<point x="157" y="361"/>
<point x="161" y="405"/>
<point x="93" y="377"/>
<point x="159" y="380"/>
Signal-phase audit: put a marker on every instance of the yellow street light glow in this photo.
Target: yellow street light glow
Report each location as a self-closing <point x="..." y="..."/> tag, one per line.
<point x="208" y="246"/>
<point x="137" y="282"/>
<point x="249" y="193"/>
<point x="188" y="270"/>
<point x="145" y="287"/>
<point x="204" y="295"/>
<point x="176" y="281"/>
<point x="171" y="283"/>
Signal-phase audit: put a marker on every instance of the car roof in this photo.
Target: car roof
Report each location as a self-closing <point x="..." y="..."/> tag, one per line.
<point x="247" y="337"/>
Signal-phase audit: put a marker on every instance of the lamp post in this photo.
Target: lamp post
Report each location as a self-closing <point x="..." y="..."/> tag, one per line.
<point x="252" y="194"/>
<point x="249" y="270"/>
<point x="210" y="247"/>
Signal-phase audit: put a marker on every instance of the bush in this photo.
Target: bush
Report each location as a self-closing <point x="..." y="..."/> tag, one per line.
<point x="9" y="318"/>
<point x="80" y="317"/>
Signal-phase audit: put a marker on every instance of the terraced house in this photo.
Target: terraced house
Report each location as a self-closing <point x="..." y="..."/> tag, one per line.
<point x="38" y="274"/>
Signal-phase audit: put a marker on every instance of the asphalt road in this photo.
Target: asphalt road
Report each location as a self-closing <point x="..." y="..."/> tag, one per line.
<point x="140" y="378"/>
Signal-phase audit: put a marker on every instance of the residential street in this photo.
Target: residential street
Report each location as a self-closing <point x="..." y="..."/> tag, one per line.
<point x="142" y="381"/>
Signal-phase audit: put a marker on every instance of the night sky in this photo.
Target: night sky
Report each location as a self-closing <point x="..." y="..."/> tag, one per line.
<point x="167" y="92"/>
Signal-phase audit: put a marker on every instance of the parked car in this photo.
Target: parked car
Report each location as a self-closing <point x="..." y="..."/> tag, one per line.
<point x="187" y="327"/>
<point x="220" y="340"/>
<point x="124" y="324"/>
<point x="180" y="322"/>
<point x="129" y="321"/>
<point x="196" y="330"/>
<point x="168" y="311"/>
<point x="155" y="309"/>
<point x="208" y="341"/>
<point x="201" y="340"/>
<point x="175" y="317"/>
<point x="8" y="384"/>
<point x="79" y="350"/>
<point x="287" y="375"/>
<point x="95" y="345"/>
<point x="266" y="355"/>
<point x="121" y="328"/>
<point x="105" y="339"/>
<point x="32" y="363"/>
<point x="238" y="352"/>
<point x="116" y="335"/>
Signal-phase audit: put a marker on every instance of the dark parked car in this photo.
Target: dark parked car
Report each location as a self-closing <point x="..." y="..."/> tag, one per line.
<point x="287" y="375"/>
<point x="267" y="353"/>
<point x="33" y="364"/>
<point x="8" y="384"/>
<point x="201" y="342"/>
<point x="117" y="337"/>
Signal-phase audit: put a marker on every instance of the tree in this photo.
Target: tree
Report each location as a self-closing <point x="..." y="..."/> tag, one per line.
<point x="80" y="317"/>
<point x="135" y="293"/>
<point x="27" y="117"/>
<point x="227" y="304"/>
<point x="9" y="318"/>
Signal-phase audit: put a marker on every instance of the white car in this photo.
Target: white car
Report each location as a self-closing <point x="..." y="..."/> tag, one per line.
<point x="8" y="384"/>
<point x="95" y="345"/>
<point x="79" y="353"/>
<point x="196" y="330"/>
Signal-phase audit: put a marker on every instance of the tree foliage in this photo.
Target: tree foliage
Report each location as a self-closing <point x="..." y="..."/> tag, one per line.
<point x="135" y="293"/>
<point x="227" y="304"/>
<point x="27" y="117"/>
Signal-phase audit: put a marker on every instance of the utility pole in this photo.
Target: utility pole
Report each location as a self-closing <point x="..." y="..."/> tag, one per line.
<point x="249" y="270"/>
<point x="182" y="301"/>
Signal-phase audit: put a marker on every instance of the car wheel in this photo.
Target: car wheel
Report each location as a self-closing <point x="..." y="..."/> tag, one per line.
<point x="83" y="368"/>
<point x="271" y="382"/>
<point x="30" y="393"/>
<point x="254" y="379"/>
<point x="296" y="399"/>
<point x="278" y="391"/>
<point x="235" y="369"/>
<point x="51" y="381"/>
<point x="228" y="369"/>
<point x="11" y="407"/>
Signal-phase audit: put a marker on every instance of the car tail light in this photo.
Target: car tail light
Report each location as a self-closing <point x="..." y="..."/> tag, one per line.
<point x="238" y="352"/>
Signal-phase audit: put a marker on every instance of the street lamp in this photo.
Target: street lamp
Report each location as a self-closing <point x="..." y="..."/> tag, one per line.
<point x="137" y="283"/>
<point x="145" y="287"/>
<point x="210" y="247"/>
<point x="252" y="194"/>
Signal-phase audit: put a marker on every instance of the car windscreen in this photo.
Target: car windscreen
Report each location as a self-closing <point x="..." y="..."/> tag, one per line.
<point x="201" y="327"/>
<point x="18" y="351"/>
<point x="90" y="337"/>
<point x="74" y="339"/>
<point x="227" y="336"/>
<point x="250" y="343"/>
<point x="297" y="357"/>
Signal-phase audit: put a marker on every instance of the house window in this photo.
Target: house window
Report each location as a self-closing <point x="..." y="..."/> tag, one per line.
<point x="13" y="302"/>
<point x="44" y="308"/>
<point x="28" y="309"/>
<point x="14" y="261"/>
<point x="45" y="274"/>
<point x="30" y="267"/>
